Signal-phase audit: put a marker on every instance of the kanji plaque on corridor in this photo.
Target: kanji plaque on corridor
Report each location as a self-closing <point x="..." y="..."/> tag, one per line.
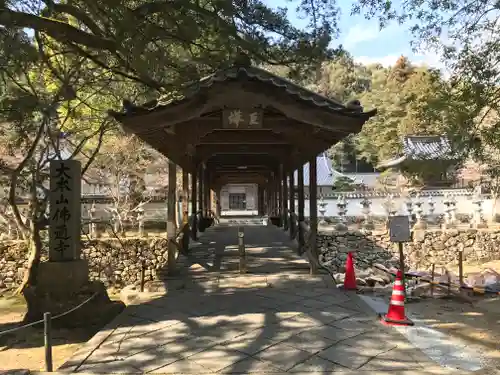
<point x="65" y="210"/>
<point x="242" y="119"/>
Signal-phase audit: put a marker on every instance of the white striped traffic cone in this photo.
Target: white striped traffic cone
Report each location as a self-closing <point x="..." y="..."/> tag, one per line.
<point x="396" y="314"/>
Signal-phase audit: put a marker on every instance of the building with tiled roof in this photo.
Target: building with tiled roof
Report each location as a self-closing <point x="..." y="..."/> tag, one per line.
<point x="422" y="148"/>
<point x="327" y="175"/>
<point x="429" y="159"/>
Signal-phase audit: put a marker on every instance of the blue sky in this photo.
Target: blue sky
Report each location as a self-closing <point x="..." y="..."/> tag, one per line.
<point x="363" y="39"/>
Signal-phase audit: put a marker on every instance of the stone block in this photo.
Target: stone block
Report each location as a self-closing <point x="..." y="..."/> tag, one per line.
<point x="63" y="277"/>
<point x="92" y="301"/>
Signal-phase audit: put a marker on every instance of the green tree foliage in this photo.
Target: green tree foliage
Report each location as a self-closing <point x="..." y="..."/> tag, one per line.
<point x="411" y="100"/>
<point x="467" y="33"/>
<point x="344" y="184"/>
<point x="161" y="44"/>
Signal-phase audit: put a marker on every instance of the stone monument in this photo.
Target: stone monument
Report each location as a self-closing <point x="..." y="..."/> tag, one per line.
<point x="63" y="281"/>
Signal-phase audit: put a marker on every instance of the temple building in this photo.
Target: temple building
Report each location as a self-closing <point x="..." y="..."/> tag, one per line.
<point x="426" y="160"/>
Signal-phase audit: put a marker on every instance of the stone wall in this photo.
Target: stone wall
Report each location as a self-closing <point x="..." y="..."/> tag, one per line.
<point x="428" y="247"/>
<point x="115" y="262"/>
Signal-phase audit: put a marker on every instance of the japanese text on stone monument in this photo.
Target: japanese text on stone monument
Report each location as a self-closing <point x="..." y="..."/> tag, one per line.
<point x="65" y="211"/>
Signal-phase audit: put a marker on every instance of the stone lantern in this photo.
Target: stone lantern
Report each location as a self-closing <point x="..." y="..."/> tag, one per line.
<point x="342" y="211"/>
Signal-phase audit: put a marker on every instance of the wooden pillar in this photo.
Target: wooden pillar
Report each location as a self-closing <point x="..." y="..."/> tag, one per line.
<point x="276" y="196"/>
<point x="279" y="180"/>
<point x="206" y="198"/>
<point x="201" y="187"/>
<point x="292" y="204"/>
<point x="171" y="227"/>
<point x="284" y="181"/>
<point x="194" y="227"/>
<point x="313" y="211"/>
<point x="300" y="207"/>
<point x="269" y="189"/>
<point x="272" y="196"/>
<point x="264" y="199"/>
<point x="259" y="202"/>
<point x="218" y="204"/>
<point x="185" y="196"/>
<point x="211" y="200"/>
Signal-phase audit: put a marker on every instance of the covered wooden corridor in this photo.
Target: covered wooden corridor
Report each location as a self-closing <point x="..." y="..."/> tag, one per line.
<point x="242" y="125"/>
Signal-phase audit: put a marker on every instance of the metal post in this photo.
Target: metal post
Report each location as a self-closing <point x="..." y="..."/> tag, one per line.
<point x="402" y="264"/>
<point x="143" y="275"/>
<point x="47" y="335"/>
<point x="461" y="269"/>
<point x="432" y="279"/>
<point x="241" y="250"/>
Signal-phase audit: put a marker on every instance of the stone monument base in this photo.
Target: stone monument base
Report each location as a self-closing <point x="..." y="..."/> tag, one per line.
<point x="64" y="285"/>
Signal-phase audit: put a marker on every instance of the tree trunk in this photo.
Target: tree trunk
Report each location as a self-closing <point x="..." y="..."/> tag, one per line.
<point x="34" y="243"/>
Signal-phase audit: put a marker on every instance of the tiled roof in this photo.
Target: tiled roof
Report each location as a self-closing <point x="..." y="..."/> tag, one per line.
<point x="422" y="147"/>
<point x="251" y="73"/>
<point x="325" y="174"/>
<point x="427" y="147"/>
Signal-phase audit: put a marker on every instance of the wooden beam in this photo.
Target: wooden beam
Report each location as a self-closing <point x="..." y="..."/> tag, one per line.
<point x="250" y="168"/>
<point x="240" y="177"/>
<point x="181" y="112"/>
<point x="322" y="116"/>
<point x="242" y="137"/>
<point x="201" y="126"/>
<point x="204" y="152"/>
<point x="242" y="159"/>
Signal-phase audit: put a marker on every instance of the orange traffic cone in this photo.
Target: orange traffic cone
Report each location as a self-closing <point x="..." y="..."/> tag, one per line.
<point x="396" y="314"/>
<point x="350" y="276"/>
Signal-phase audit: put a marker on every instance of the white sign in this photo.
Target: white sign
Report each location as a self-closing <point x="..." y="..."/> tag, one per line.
<point x="399" y="229"/>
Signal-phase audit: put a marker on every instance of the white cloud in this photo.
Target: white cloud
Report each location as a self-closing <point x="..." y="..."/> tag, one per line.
<point x="387" y="60"/>
<point x="360" y="33"/>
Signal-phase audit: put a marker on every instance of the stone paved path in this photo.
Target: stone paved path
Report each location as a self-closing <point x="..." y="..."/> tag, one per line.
<point x="268" y="250"/>
<point x="282" y="322"/>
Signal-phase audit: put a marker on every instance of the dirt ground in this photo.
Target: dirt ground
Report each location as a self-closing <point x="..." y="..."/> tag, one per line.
<point x="477" y="324"/>
<point x="25" y="348"/>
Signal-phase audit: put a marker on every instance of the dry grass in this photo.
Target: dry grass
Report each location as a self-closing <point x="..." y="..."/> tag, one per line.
<point x="24" y="349"/>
